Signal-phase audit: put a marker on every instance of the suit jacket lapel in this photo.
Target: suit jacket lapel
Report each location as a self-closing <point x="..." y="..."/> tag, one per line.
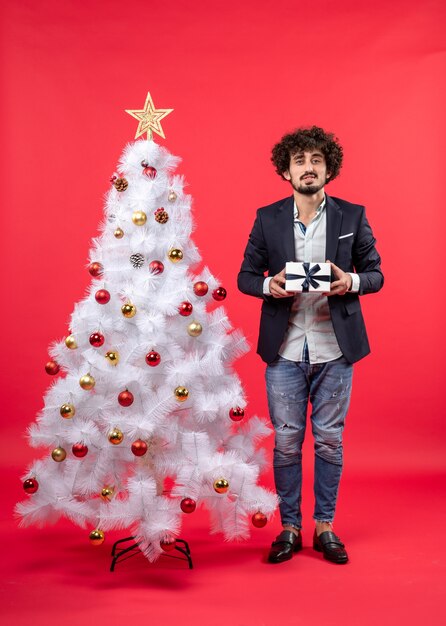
<point x="285" y="225"/>
<point x="334" y="221"/>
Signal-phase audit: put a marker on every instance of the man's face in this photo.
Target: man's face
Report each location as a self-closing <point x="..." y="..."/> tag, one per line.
<point x="307" y="172"/>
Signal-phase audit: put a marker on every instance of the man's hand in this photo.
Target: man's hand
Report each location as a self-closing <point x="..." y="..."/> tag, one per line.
<point x="275" y="286"/>
<point x="342" y="284"/>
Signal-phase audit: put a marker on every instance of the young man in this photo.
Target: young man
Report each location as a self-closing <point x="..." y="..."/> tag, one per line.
<point x="310" y="340"/>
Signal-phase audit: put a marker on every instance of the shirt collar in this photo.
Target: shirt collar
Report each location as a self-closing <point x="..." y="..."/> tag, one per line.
<point x="319" y="209"/>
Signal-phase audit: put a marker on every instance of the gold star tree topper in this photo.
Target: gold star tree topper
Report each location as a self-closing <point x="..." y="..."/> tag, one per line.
<point x="149" y="119"/>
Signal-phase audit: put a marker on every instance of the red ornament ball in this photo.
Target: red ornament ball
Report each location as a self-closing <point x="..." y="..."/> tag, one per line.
<point x="153" y="358"/>
<point x="125" y="398"/>
<point x="95" y="269"/>
<point x="168" y="544"/>
<point x="79" y="450"/>
<point x="185" y="309"/>
<point x="200" y="288"/>
<point x="219" y="294"/>
<point x="259" y="520"/>
<point x="97" y="340"/>
<point x="150" y="172"/>
<point x="139" y="447"/>
<point x="236" y="414"/>
<point x="52" y="368"/>
<point x="102" y="296"/>
<point x="188" y="505"/>
<point x="30" y="485"/>
<point x="156" y="267"/>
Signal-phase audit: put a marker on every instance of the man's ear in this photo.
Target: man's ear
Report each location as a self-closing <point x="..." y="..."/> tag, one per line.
<point x="286" y="175"/>
<point x="328" y="176"/>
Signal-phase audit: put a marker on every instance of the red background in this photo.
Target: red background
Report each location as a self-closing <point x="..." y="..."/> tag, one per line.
<point x="238" y="77"/>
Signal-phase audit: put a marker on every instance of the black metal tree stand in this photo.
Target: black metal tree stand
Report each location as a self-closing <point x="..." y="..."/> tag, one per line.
<point x="122" y="553"/>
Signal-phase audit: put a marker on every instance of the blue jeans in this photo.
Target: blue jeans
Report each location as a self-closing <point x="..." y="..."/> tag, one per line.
<point x="289" y="386"/>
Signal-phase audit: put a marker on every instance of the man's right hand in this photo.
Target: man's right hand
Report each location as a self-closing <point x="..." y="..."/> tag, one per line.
<point x="276" y="286"/>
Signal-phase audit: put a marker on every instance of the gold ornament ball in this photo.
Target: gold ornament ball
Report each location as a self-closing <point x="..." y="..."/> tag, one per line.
<point x="194" y="329"/>
<point x="97" y="537"/>
<point x="128" y="310"/>
<point x="70" y="342"/>
<point x="59" y="455"/>
<point x="221" y="485"/>
<point x="115" y="436"/>
<point x="175" y="255"/>
<point x="119" y="233"/>
<point x="181" y="394"/>
<point x="112" y="357"/>
<point x="172" y="196"/>
<point x="139" y="218"/>
<point x="87" y="382"/>
<point x="107" y="493"/>
<point x="67" y="410"/>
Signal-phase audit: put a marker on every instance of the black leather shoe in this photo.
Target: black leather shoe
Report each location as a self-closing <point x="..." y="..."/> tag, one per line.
<point x="331" y="547"/>
<point x="283" y="547"/>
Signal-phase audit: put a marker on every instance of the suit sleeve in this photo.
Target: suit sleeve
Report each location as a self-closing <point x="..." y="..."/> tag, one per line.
<point x="255" y="262"/>
<point x="366" y="259"/>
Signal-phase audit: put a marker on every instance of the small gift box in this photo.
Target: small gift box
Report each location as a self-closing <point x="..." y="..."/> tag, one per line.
<point x="307" y="277"/>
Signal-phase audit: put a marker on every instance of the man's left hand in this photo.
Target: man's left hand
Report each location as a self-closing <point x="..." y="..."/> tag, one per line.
<point x="342" y="284"/>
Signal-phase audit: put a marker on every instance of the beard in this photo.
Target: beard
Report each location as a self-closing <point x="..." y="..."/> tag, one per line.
<point x="307" y="190"/>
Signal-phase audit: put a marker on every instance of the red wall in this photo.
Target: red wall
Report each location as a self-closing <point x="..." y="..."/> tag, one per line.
<point x="238" y="75"/>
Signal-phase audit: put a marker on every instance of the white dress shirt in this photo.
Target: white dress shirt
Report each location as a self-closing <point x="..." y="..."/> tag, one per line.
<point x="310" y="327"/>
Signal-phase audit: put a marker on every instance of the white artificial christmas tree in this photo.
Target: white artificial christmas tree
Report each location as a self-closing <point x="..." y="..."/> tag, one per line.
<point x="147" y="390"/>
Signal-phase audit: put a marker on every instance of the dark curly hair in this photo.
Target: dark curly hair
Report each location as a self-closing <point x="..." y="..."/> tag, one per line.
<point x="306" y="139"/>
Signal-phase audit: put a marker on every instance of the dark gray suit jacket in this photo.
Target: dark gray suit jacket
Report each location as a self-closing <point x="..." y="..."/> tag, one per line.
<point x="271" y="245"/>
